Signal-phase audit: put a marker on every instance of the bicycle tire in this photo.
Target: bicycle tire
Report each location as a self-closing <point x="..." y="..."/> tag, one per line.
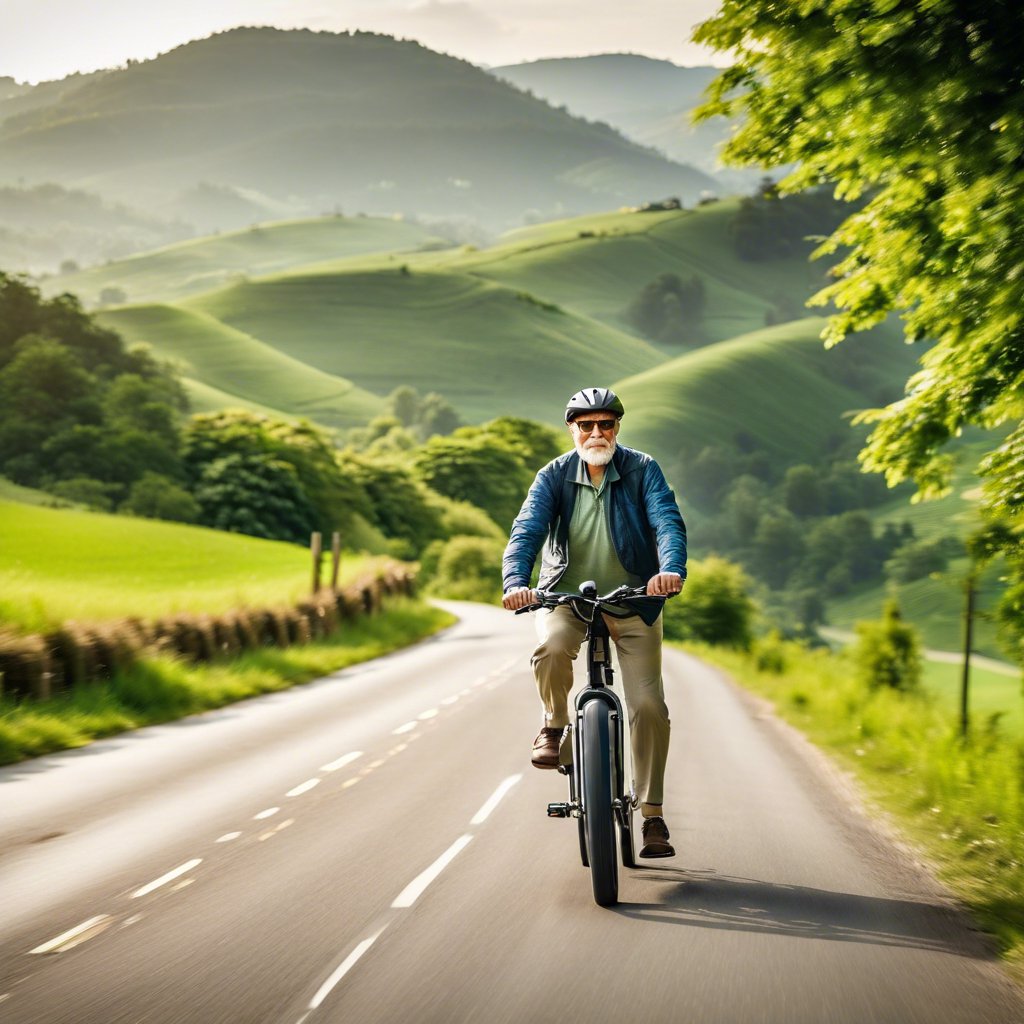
<point x="598" y="796"/>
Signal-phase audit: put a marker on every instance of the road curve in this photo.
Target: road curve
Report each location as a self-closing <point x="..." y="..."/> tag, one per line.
<point x="373" y="847"/>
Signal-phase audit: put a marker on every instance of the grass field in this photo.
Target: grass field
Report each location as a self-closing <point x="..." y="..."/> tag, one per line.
<point x="992" y="697"/>
<point x="597" y="265"/>
<point x="205" y="263"/>
<point x="57" y="564"/>
<point x="774" y="384"/>
<point x="244" y="371"/>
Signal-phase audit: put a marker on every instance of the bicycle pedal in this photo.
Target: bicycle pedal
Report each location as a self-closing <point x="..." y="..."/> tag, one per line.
<point x="558" y="810"/>
<point x="565" y="769"/>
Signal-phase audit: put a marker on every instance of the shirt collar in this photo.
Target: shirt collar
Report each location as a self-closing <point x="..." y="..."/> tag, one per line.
<point x="611" y="474"/>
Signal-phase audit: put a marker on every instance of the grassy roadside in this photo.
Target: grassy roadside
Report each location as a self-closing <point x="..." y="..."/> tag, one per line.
<point x="960" y="804"/>
<point x="162" y="689"/>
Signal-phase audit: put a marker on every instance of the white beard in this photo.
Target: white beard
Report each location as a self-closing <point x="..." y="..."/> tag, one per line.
<point x="596" y="453"/>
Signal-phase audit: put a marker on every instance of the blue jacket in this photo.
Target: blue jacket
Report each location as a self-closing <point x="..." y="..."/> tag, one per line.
<point x="646" y="527"/>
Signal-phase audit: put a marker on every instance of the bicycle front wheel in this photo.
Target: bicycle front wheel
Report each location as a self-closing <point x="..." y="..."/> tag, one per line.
<point x="598" y="796"/>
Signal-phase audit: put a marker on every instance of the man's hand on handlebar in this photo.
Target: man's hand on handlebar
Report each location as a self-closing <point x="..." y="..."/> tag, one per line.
<point x="664" y="584"/>
<point x="519" y="597"/>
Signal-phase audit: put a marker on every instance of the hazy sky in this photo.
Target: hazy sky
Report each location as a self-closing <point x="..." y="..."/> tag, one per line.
<point x="44" y="39"/>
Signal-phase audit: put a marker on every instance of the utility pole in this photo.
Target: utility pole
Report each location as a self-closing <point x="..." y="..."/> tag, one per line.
<point x="970" y="590"/>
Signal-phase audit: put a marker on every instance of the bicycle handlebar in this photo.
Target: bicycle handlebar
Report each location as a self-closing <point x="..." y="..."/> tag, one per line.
<point x="588" y="595"/>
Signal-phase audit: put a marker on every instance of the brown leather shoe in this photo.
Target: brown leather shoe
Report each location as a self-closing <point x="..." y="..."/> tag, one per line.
<point x="656" y="838"/>
<point x="545" y="748"/>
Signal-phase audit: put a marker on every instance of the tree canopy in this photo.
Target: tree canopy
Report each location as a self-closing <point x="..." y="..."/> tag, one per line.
<point x="916" y="109"/>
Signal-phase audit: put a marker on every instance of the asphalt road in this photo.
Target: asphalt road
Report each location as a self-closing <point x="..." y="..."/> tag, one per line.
<point x="373" y="847"/>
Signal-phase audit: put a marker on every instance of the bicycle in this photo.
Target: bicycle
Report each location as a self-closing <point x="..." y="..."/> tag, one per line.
<point x="598" y="796"/>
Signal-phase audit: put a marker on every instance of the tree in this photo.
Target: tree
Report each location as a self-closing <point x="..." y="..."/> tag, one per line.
<point x="255" y="495"/>
<point x="481" y="470"/>
<point x="328" y="490"/>
<point x="669" y="309"/>
<point x="802" y="491"/>
<point x="916" y="110"/>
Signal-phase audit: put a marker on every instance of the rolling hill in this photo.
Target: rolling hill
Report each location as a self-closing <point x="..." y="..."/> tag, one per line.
<point x="204" y="263"/>
<point x="529" y="318"/>
<point x="648" y="100"/>
<point x="316" y="120"/>
<point x="778" y="385"/>
<point x="223" y="367"/>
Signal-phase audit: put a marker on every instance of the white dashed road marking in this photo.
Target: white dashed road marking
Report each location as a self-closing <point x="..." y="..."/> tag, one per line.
<point x="305" y="787"/>
<point x="181" y="869"/>
<point x="76" y="936"/>
<point x="495" y="798"/>
<point x="341" y="762"/>
<point x="412" y="892"/>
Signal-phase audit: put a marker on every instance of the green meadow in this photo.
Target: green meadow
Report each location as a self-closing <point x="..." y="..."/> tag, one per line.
<point x="204" y="263"/>
<point x="59" y="564"/>
<point x="238" y="370"/>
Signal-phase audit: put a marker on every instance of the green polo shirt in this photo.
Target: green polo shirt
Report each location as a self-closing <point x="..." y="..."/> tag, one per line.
<point x="591" y="551"/>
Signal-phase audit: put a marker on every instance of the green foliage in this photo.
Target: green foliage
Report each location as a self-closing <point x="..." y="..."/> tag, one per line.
<point x="916" y="109"/>
<point x="323" y="497"/>
<point x="715" y="606"/>
<point x="533" y="442"/>
<point x="479" y="470"/>
<point x="74" y="404"/>
<point x="888" y="651"/>
<point x="468" y="569"/>
<point x="803" y="493"/>
<point x="768" y="226"/>
<point x="255" y="495"/>
<point x="83" y="490"/>
<point x="669" y="309"/>
<point x="153" y="496"/>
<point x="919" y="558"/>
<point x="401" y="507"/>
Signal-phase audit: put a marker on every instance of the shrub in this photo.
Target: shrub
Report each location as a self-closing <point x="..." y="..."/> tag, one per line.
<point x="715" y="606"/>
<point x="888" y="651"/>
<point x="469" y="569"/>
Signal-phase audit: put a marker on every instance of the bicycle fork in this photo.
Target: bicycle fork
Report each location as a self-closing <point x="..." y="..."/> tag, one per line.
<point x="625" y="800"/>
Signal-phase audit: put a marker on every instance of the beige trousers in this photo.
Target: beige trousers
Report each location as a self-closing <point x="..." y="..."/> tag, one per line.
<point x="639" y="649"/>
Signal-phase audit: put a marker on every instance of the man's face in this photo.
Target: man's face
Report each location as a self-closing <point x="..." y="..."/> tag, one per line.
<point x="595" y="446"/>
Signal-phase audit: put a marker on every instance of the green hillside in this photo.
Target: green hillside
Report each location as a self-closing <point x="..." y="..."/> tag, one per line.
<point x="57" y="565"/>
<point x="777" y="385"/>
<point x="486" y="348"/>
<point x="598" y="264"/>
<point x="934" y="606"/>
<point x="241" y="370"/>
<point x="206" y="263"/>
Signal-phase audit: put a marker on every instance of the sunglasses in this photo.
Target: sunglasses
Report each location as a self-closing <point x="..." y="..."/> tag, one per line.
<point x="587" y="426"/>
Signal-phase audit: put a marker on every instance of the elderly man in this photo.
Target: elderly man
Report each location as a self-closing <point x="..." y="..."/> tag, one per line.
<point x="602" y="512"/>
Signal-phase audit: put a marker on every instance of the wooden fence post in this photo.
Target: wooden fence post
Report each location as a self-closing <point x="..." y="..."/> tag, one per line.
<point x="335" y="559"/>
<point x="316" y="547"/>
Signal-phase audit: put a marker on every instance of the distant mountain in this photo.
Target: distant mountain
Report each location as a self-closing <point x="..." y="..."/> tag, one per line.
<point x="46" y="227"/>
<point x="301" y="121"/>
<point x="648" y="100"/>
